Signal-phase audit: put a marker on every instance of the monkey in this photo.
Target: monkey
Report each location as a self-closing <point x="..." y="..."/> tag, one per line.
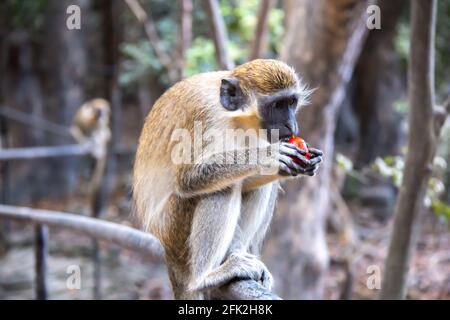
<point x="91" y="125"/>
<point x="211" y="215"/>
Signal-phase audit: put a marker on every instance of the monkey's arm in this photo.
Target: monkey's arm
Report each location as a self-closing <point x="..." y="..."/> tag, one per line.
<point x="218" y="172"/>
<point x="225" y="169"/>
<point x="257" y="181"/>
<point x="78" y="134"/>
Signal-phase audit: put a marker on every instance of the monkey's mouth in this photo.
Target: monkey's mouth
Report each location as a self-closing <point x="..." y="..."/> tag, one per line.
<point x="285" y="139"/>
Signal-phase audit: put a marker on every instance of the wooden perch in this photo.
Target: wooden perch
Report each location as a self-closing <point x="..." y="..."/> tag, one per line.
<point x="129" y="238"/>
<point x="244" y="290"/>
<point x="44" y="152"/>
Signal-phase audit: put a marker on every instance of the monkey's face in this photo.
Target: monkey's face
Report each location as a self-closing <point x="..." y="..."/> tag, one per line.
<point x="268" y="90"/>
<point x="276" y="112"/>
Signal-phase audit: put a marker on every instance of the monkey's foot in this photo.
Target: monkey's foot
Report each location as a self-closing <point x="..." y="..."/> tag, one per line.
<point x="238" y="265"/>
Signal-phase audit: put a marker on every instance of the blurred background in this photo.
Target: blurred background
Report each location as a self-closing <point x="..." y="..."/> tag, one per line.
<point x="330" y="234"/>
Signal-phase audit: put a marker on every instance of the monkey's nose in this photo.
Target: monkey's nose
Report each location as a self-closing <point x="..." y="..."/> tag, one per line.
<point x="292" y="128"/>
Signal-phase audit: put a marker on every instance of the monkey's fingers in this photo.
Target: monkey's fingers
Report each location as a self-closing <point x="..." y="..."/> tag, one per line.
<point x="294" y="167"/>
<point x="297" y="169"/>
<point x="311" y="172"/>
<point x="285" y="171"/>
<point x="315" y="152"/>
<point x="295" y="154"/>
<point x="315" y="161"/>
<point x="292" y="146"/>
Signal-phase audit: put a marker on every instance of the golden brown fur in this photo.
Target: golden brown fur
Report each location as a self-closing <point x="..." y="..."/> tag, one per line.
<point x="266" y="76"/>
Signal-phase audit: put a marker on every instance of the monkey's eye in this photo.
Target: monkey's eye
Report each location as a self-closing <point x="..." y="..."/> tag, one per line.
<point x="292" y="101"/>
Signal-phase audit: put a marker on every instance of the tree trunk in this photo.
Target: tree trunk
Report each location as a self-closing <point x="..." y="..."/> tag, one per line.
<point x="323" y="41"/>
<point x="65" y="63"/>
<point x="378" y="85"/>
<point x="422" y="140"/>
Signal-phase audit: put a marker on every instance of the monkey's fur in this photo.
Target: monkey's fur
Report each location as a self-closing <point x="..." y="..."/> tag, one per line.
<point x="211" y="217"/>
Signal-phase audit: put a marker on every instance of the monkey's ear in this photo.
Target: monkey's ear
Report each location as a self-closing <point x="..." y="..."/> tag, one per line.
<point x="231" y="95"/>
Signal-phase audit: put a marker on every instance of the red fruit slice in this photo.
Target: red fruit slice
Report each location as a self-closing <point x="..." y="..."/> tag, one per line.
<point x="300" y="143"/>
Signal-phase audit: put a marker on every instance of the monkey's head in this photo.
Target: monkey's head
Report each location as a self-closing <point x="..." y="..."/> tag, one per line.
<point x="90" y="117"/>
<point x="91" y="112"/>
<point x="267" y="89"/>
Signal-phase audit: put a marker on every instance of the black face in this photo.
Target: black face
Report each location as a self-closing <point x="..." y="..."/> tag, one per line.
<point x="278" y="112"/>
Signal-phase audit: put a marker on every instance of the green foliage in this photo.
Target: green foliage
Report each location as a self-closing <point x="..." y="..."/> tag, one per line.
<point x="344" y="163"/>
<point x="240" y="18"/>
<point x="27" y="15"/>
<point x="140" y="61"/>
<point x="442" y="70"/>
<point x="392" y="167"/>
<point x="441" y="210"/>
<point x="443" y="48"/>
<point x="201" y="56"/>
<point x="401" y="106"/>
<point x="401" y="42"/>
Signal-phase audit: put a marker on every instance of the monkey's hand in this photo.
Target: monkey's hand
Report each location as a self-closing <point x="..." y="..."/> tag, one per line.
<point x="293" y="160"/>
<point x="238" y="265"/>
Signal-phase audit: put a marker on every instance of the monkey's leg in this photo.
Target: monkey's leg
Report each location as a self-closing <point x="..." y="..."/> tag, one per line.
<point x="256" y="213"/>
<point x="213" y="226"/>
<point x="257" y="209"/>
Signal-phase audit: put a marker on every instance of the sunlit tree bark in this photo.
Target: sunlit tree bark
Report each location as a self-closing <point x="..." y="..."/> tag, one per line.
<point x="322" y="43"/>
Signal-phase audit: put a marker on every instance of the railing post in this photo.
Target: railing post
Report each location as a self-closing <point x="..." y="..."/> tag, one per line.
<point x="4" y="194"/>
<point x="95" y="204"/>
<point x="40" y="255"/>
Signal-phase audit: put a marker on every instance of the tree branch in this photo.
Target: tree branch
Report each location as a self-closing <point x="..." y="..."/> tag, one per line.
<point x="152" y="35"/>
<point x="185" y="38"/>
<point x="259" y="41"/>
<point x="219" y="34"/>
